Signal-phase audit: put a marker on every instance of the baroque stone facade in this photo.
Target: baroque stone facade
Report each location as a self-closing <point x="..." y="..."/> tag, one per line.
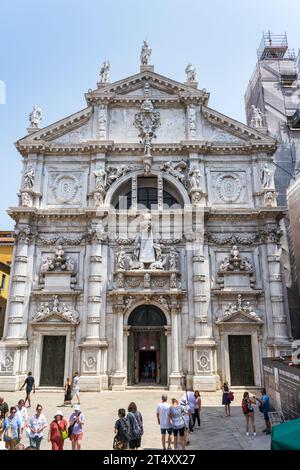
<point x="126" y="296"/>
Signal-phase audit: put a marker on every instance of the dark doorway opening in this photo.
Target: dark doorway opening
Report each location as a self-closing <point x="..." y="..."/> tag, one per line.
<point x="53" y="361"/>
<point x="241" y="362"/>
<point x="147" y="346"/>
<point x="147" y="366"/>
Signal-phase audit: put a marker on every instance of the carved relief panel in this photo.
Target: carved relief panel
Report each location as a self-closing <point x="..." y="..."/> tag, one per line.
<point x="66" y="188"/>
<point x="228" y="187"/>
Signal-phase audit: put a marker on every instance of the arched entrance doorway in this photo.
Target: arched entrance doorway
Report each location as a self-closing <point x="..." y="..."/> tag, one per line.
<point x="147" y="346"/>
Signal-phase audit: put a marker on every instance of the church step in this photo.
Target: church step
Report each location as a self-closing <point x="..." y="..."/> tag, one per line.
<point x="50" y="389"/>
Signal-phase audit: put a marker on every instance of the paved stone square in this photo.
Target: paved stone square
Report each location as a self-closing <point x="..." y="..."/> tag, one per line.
<point x="100" y="410"/>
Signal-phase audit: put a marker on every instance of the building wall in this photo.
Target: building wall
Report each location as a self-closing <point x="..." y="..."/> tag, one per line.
<point x="89" y="298"/>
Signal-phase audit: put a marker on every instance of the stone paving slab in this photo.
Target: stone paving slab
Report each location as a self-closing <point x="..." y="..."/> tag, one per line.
<point x="100" y="410"/>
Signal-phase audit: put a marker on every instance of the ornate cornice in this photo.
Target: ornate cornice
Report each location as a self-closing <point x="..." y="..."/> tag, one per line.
<point x="91" y="147"/>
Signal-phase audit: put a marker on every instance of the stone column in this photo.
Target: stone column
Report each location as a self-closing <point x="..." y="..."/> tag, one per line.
<point x="279" y="309"/>
<point x="118" y="377"/>
<point x="15" y="306"/>
<point x="94" y="347"/>
<point x="175" y="376"/>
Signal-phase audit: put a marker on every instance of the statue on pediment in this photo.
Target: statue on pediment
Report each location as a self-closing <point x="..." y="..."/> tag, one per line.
<point x="104" y="72"/>
<point x="145" y="53"/>
<point x="190" y="71"/>
<point x="35" y="117"/>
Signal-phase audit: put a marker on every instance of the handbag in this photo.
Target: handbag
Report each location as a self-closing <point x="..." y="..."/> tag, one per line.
<point x="117" y="444"/>
<point x="230" y="396"/>
<point x="70" y="430"/>
<point x="64" y="434"/>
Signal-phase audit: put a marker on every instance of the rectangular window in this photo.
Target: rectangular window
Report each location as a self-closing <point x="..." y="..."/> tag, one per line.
<point x="3" y="281"/>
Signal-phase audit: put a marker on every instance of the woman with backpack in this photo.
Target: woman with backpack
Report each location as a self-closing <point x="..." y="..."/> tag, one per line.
<point x="122" y="436"/>
<point x="248" y="411"/>
<point x="135" y="420"/>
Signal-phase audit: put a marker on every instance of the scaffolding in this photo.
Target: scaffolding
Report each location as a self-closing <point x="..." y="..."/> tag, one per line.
<point x="274" y="46"/>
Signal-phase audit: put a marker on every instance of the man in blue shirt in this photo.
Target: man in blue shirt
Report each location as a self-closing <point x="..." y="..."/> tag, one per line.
<point x="265" y="402"/>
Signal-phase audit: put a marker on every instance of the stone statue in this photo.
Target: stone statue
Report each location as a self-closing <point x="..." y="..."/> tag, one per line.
<point x="234" y="253"/>
<point x="256" y="117"/>
<point x="175" y="169"/>
<point x="266" y="176"/>
<point x="101" y="179"/>
<point x="190" y="73"/>
<point x="121" y="258"/>
<point x="158" y="251"/>
<point x="114" y="173"/>
<point x="35" y="117"/>
<point x="70" y="266"/>
<point x="128" y="302"/>
<point x="159" y="264"/>
<point x="246" y="264"/>
<point x="173" y="260"/>
<point x="195" y="178"/>
<point x="225" y="265"/>
<point x="147" y="279"/>
<point x="239" y="302"/>
<point x="55" y="304"/>
<point x="173" y="281"/>
<point x="29" y="178"/>
<point x="145" y="54"/>
<point x="47" y="264"/>
<point x="104" y="72"/>
<point x="163" y="301"/>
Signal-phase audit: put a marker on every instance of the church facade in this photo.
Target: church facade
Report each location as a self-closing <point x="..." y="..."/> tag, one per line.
<point x="147" y="244"/>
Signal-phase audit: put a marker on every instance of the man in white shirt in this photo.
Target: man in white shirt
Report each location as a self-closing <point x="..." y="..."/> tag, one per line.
<point x="22" y="415"/>
<point x="162" y="414"/>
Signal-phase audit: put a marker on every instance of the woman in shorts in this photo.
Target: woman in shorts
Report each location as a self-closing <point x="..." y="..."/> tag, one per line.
<point x="177" y="422"/>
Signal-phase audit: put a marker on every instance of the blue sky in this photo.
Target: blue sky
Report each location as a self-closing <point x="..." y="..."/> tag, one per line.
<point x="51" y="52"/>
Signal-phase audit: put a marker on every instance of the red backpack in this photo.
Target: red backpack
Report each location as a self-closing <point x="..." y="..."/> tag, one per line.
<point x="244" y="406"/>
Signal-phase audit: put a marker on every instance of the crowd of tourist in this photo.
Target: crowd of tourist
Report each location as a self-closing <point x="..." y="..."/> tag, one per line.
<point x="176" y="420"/>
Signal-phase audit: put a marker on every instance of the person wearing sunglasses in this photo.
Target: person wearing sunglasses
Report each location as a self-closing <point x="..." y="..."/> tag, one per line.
<point x="12" y="429"/>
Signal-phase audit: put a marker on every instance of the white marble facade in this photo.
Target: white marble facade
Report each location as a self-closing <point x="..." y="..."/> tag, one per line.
<point x="75" y="275"/>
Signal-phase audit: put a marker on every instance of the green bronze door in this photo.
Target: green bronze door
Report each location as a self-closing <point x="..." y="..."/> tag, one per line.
<point x="53" y="361"/>
<point x="241" y="362"/>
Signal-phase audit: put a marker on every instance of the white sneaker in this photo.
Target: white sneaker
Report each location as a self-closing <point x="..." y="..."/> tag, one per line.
<point x="247" y="434"/>
<point x="254" y="434"/>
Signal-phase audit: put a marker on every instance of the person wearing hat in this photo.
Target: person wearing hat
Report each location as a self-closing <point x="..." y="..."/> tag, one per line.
<point x="76" y="421"/>
<point x="187" y="416"/>
<point x="58" y="431"/>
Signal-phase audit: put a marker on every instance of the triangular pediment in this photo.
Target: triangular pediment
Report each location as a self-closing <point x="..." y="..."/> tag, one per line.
<point x="221" y="125"/>
<point x="240" y="316"/>
<point x="159" y="87"/>
<point x="54" y="317"/>
<point x="78" y="126"/>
